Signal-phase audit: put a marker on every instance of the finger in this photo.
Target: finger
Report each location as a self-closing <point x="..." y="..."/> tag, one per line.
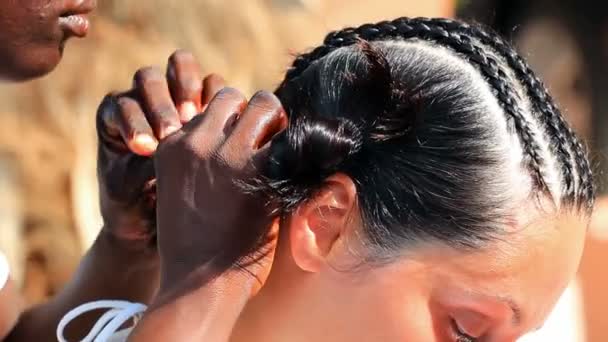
<point x="153" y="90"/>
<point x="263" y="118"/>
<point x="107" y="126"/>
<point x="185" y="84"/>
<point x="134" y="127"/>
<point x="141" y="174"/>
<point x="212" y="84"/>
<point x="210" y="129"/>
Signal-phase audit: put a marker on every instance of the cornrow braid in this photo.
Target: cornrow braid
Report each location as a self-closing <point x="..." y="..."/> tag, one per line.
<point x="461" y="43"/>
<point x="561" y="134"/>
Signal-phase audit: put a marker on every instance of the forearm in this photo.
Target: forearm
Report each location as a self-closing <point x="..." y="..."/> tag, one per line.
<point x="110" y="270"/>
<point x="204" y="308"/>
<point x="11" y="305"/>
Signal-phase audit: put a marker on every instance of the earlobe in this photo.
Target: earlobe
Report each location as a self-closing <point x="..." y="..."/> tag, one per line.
<point x="304" y="248"/>
<point x="320" y="222"/>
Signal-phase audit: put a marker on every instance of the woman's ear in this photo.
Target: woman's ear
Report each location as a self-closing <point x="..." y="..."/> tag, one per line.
<point x="320" y="222"/>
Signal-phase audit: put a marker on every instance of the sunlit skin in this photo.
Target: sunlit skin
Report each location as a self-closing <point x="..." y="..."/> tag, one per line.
<point x="314" y="291"/>
<point x="318" y="290"/>
<point x="33" y="34"/>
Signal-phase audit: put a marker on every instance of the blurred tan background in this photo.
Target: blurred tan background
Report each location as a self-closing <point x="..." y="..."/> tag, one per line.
<point x="48" y="195"/>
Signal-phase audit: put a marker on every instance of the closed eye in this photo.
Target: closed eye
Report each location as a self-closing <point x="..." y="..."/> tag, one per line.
<point x="460" y="335"/>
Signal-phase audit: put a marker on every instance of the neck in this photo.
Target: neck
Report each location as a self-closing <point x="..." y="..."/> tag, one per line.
<point x="274" y="314"/>
<point x="259" y="322"/>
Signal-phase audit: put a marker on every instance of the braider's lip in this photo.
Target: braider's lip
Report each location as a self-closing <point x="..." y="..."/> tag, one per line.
<point x="78" y="7"/>
<point x="73" y="19"/>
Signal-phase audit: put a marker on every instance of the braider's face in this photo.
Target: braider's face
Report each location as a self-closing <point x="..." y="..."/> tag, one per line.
<point x="33" y="34"/>
<point x="434" y="293"/>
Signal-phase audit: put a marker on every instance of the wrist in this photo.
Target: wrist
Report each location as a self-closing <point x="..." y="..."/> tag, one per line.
<point x="204" y="306"/>
<point x="178" y="280"/>
<point x="140" y="253"/>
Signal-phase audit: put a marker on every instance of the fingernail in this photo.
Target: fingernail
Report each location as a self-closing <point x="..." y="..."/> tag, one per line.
<point x="170" y="130"/>
<point x="187" y="110"/>
<point x="145" y="141"/>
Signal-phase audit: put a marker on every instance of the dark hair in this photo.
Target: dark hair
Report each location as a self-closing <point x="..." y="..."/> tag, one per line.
<point x="429" y="117"/>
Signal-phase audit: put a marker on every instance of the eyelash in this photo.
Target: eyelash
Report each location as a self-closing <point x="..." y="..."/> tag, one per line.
<point x="464" y="338"/>
<point x="460" y="336"/>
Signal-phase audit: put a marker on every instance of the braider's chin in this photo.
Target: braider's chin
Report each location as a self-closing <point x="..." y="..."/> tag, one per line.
<point x="30" y="64"/>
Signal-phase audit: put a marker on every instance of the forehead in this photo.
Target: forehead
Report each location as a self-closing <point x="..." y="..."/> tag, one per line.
<point x="531" y="265"/>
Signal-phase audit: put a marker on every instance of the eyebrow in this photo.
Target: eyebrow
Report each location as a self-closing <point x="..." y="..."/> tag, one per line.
<point x="515" y="308"/>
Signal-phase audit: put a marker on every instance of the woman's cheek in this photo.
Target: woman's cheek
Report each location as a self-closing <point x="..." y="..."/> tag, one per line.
<point x="409" y="321"/>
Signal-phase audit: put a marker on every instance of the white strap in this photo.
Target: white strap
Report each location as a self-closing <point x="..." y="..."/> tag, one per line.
<point x="4" y="270"/>
<point x="107" y="325"/>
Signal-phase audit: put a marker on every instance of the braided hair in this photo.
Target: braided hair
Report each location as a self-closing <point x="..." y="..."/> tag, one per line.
<point x="571" y="152"/>
<point x="398" y="107"/>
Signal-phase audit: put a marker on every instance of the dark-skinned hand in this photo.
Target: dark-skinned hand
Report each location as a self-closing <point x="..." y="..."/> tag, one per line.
<point x="130" y="125"/>
<point x="205" y="219"/>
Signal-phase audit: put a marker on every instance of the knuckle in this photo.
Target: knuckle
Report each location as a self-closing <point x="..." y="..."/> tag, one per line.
<point x="107" y="104"/>
<point x="213" y="78"/>
<point x="230" y="94"/>
<point x="262" y="107"/>
<point x="126" y="109"/>
<point x="181" y="56"/>
<point x="177" y="144"/>
<point x="111" y="96"/>
<point x="191" y="84"/>
<point x="265" y="101"/>
<point x="166" y="115"/>
<point x="106" y="111"/>
<point x="148" y="73"/>
<point x="124" y="102"/>
<point x="232" y="156"/>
